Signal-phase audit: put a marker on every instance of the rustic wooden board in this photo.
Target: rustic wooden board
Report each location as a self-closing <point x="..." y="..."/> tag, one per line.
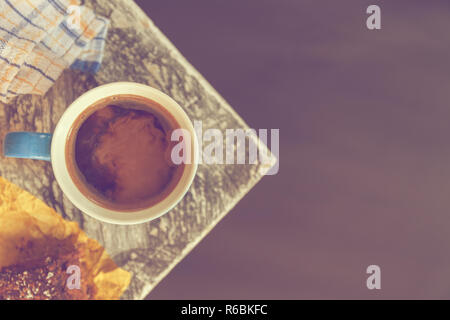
<point x="137" y="51"/>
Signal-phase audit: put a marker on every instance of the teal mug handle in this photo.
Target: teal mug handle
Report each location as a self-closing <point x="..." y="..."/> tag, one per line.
<point x="27" y="145"/>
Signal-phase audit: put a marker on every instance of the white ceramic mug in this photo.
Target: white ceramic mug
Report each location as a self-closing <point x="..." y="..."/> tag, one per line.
<point x="52" y="148"/>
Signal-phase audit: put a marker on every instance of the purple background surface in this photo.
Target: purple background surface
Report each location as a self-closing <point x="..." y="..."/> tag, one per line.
<point x="364" y="120"/>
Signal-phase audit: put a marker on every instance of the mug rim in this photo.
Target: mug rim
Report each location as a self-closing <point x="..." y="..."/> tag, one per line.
<point x="68" y="186"/>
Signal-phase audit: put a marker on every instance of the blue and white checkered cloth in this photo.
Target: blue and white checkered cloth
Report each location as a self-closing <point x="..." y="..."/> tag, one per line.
<point x="41" y="38"/>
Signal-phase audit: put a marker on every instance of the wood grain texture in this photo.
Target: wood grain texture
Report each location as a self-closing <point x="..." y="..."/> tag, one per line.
<point x="137" y="51"/>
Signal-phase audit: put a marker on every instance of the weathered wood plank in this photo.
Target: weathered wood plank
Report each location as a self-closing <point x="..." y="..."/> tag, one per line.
<point x="137" y="51"/>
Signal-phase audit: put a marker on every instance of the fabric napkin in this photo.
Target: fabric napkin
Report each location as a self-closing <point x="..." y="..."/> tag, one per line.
<point x="41" y="38"/>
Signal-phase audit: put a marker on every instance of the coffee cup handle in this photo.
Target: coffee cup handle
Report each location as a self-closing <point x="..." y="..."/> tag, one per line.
<point x="27" y="145"/>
